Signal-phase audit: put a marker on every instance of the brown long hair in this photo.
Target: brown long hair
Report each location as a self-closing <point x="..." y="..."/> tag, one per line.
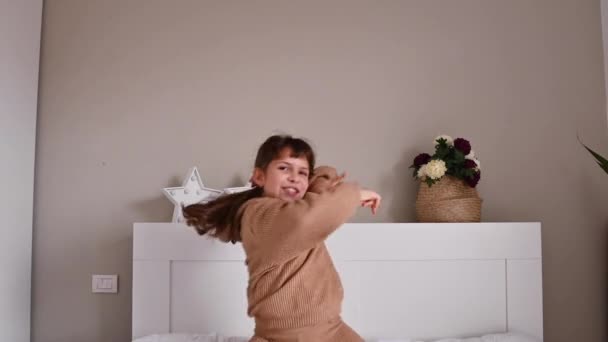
<point x="220" y="218"/>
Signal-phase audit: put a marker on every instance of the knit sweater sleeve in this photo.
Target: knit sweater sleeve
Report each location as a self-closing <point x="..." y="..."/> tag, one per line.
<point x="291" y="227"/>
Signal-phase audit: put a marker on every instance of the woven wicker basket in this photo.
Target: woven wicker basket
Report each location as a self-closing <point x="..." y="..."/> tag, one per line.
<point x="449" y="200"/>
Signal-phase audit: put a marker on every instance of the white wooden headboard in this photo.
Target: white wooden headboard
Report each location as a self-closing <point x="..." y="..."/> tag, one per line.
<point x="411" y="280"/>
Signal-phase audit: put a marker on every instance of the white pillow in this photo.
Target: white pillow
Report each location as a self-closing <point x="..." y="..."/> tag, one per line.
<point x="235" y="339"/>
<point x="508" y="337"/>
<point x="246" y="339"/>
<point x="179" y="338"/>
<point x="391" y="340"/>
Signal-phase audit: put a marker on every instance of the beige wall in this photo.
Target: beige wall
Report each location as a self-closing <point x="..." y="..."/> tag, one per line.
<point x="133" y="93"/>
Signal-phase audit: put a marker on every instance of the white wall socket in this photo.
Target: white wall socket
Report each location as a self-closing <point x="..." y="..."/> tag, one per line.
<point x="105" y="283"/>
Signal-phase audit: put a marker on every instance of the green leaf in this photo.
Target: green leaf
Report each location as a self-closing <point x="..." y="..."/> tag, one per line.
<point x="441" y="142"/>
<point x="458" y="156"/>
<point x="601" y="161"/>
<point x="441" y="152"/>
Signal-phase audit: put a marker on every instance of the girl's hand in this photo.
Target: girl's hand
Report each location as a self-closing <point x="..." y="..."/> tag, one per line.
<point x="325" y="180"/>
<point x="370" y="199"/>
<point x="336" y="181"/>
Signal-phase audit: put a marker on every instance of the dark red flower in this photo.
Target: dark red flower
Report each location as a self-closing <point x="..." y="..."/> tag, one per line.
<point x="469" y="164"/>
<point x="474" y="180"/>
<point x="421" y="159"/>
<point x="462" y="145"/>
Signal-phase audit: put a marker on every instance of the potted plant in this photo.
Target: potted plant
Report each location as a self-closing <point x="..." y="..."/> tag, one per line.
<point x="448" y="180"/>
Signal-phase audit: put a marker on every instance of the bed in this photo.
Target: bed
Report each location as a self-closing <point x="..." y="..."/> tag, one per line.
<point x="402" y="281"/>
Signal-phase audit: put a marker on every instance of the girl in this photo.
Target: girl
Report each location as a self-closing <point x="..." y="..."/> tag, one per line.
<point x="294" y="292"/>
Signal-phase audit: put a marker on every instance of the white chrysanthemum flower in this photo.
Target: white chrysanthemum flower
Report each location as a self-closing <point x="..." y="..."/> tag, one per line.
<point x="421" y="172"/>
<point x="435" y="169"/>
<point x="449" y="140"/>
<point x="470" y="156"/>
<point x="478" y="168"/>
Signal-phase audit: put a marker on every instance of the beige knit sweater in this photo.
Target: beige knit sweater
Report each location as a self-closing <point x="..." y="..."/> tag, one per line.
<point x="292" y="280"/>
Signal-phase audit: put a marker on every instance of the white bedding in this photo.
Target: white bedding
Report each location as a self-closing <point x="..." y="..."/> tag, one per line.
<point x="508" y="337"/>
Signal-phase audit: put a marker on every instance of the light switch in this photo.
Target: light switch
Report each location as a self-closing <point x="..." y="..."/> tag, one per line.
<point x="105" y="283"/>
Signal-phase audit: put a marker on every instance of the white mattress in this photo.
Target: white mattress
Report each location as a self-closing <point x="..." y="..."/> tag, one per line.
<point x="508" y="337"/>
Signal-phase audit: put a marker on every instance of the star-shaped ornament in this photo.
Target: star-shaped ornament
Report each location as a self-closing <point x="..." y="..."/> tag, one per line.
<point x="192" y="191"/>
<point x="246" y="187"/>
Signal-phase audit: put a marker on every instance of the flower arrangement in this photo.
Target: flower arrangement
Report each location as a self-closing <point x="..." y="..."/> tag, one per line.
<point x="453" y="157"/>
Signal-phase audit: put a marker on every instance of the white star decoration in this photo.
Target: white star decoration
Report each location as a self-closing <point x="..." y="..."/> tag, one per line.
<point x="193" y="191"/>
<point x="247" y="186"/>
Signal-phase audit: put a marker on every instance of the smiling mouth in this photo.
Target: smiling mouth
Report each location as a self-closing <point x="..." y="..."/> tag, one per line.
<point x="291" y="190"/>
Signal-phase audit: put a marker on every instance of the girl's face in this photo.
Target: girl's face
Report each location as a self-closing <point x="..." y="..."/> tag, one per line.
<point x="285" y="177"/>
